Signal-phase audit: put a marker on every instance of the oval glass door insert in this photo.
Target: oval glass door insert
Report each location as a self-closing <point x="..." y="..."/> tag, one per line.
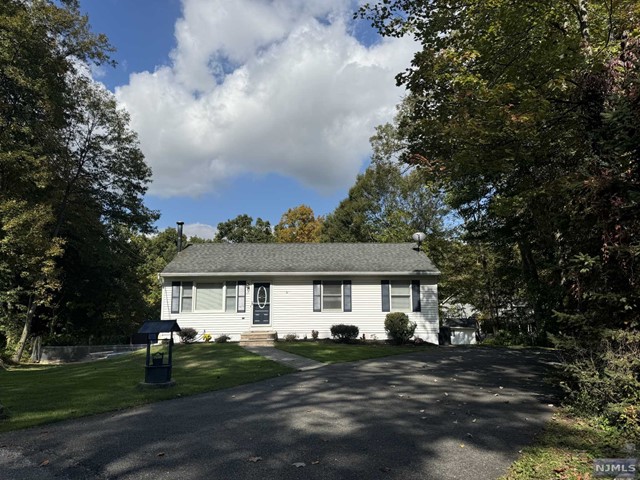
<point x="262" y="297"/>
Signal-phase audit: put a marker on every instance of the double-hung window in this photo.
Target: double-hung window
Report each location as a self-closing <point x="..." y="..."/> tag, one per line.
<point x="230" y="297"/>
<point x="332" y="295"/>
<point x="181" y="297"/>
<point x="401" y="296"/>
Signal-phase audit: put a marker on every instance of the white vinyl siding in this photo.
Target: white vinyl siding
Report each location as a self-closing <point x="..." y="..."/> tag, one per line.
<point x="292" y="308"/>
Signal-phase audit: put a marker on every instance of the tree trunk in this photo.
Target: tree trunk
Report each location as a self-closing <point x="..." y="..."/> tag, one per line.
<point x="493" y="310"/>
<point x="36" y="349"/>
<point x="534" y="286"/>
<point x="26" y="331"/>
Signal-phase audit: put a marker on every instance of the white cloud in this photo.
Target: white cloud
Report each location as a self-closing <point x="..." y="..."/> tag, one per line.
<point x="263" y="86"/>
<point x="201" y="230"/>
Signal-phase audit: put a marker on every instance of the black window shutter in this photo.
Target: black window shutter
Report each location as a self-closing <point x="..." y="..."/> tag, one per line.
<point x="386" y="300"/>
<point x="317" y="296"/>
<point x="175" y="297"/>
<point x="242" y="296"/>
<point x="415" y="294"/>
<point x="346" y="294"/>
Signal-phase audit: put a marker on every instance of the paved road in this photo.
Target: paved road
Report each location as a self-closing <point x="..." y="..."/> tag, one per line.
<point x="428" y="415"/>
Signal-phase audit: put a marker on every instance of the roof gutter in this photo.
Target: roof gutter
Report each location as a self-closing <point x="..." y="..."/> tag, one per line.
<point x="412" y="273"/>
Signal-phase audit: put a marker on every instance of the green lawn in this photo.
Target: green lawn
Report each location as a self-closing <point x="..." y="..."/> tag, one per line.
<point x="40" y="394"/>
<point x="565" y="450"/>
<point x="327" y="352"/>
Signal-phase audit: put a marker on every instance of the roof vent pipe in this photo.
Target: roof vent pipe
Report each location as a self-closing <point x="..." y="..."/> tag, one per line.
<point x="180" y="224"/>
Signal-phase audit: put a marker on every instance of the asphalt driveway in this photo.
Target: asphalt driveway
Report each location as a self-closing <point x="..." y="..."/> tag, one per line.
<point x="451" y="413"/>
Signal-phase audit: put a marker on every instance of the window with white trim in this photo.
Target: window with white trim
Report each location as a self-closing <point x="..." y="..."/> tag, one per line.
<point x="207" y="297"/>
<point x="400" y="296"/>
<point x="230" y="297"/>
<point x="332" y="295"/>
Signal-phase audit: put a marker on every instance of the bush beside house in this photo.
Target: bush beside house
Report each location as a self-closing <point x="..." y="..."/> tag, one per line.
<point x="398" y="327"/>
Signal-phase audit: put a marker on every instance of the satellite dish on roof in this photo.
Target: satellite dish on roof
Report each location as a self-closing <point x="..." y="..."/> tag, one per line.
<point x="419" y="237"/>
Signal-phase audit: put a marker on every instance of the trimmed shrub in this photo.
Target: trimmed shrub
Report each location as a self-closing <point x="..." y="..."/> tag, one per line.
<point x="398" y="327"/>
<point x="188" y="335"/>
<point x="222" y="338"/>
<point x="291" y="337"/>
<point x="314" y="334"/>
<point x="344" y="333"/>
<point x="206" y="337"/>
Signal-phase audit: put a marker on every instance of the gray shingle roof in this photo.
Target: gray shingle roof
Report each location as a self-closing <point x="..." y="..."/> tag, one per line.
<point x="300" y="258"/>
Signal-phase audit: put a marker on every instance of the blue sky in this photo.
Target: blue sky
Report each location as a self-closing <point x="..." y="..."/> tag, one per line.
<point x="250" y="106"/>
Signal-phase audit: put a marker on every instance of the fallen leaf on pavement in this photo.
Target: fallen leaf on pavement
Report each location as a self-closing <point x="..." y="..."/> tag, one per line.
<point x="299" y="464"/>
<point x="315" y="462"/>
<point x="44" y="463"/>
<point x="385" y="469"/>
<point x="161" y="454"/>
<point x="254" y="459"/>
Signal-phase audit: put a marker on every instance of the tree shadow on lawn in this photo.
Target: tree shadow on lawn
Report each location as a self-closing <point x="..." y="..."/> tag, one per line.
<point x="419" y="416"/>
<point x="46" y="393"/>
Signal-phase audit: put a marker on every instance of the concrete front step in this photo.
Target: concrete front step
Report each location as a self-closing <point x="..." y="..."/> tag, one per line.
<point x="256" y="343"/>
<point x="258" y="339"/>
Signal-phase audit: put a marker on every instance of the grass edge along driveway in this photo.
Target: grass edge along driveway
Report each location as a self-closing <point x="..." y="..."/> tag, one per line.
<point x="38" y="394"/>
<point x="329" y="352"/>
<point x="566" y="449"/>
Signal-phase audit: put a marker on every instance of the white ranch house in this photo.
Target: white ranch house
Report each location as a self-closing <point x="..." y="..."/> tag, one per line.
<point x="296" y="288"/>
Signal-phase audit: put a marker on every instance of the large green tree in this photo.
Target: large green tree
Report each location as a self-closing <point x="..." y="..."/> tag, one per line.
<point x="242" y="230"/>
<point x="526" y="113"/>
<point x="68" y="160"/>
<point x="386" y="205"/>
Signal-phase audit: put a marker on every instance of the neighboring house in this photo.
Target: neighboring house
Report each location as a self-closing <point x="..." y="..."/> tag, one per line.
<point x="459" y="323"/>
<point x="463" y="330"/>
<point x="296" y="288"/>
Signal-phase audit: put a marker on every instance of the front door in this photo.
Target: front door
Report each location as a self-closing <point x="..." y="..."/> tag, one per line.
<point x="261" y="303"/>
